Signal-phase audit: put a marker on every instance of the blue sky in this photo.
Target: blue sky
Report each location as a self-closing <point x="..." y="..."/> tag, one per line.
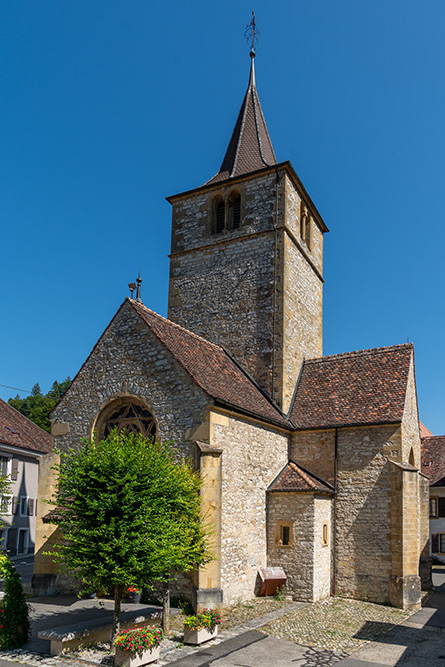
<point x="110" y="106"/>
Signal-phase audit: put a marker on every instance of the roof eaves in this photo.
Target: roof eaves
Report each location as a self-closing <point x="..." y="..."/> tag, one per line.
<point x="346" y="425"/>
<point x="251" y="413"/>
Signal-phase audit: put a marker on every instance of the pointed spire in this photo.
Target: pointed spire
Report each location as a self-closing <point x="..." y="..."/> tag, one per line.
<point x="250" y="147"/>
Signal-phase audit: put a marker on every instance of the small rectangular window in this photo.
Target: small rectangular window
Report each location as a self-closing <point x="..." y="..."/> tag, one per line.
<point x="433" y="508"/>
<point x="325" y="535"/>
<point x="22" y="541"/>
<point x="442" y="543"/>
<point x="24" y="505"/>
<point x="284" y="534"/>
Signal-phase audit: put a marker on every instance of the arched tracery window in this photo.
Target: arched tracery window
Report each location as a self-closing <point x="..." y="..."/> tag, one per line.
<point x="127" y="416"/>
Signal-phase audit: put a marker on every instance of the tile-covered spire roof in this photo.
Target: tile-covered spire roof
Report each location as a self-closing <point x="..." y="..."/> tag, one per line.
<point x="17" y="430"/>
<point x="364" y="387"/>
<point x="295" y="478"/>
<point x="433" y="459"/>
<point x="250" y="147"/>
<point x="211" y="367"/>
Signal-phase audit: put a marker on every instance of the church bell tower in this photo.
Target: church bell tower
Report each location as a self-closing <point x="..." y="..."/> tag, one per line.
<point x="247" y="256"/>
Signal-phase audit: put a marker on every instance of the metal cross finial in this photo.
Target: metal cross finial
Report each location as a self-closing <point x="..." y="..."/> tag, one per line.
<point x="251" y="34"/>
<point x="138" y="289"/>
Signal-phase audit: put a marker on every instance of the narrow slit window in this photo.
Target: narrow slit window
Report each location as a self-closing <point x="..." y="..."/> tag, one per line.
<point x="285" y="535"/>
<point x="236" y="212"/>
<point x="325" y="535"/>
<point x="220" y="215"/>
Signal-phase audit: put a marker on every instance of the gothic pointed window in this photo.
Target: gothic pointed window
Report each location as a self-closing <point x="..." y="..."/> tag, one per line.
<point x="235" y="211"/>
<point x="220" y="214"/>
<point x="126" y="416"/>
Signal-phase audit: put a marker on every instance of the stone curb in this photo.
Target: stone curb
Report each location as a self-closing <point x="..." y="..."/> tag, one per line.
<point x="176" y="653"/>
<point x="170" y="655"/>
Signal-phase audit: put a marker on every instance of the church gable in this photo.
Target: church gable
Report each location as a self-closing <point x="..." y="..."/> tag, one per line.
<point x="129" y="364"/>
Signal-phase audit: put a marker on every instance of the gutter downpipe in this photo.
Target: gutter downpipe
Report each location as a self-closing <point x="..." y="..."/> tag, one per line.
<point x="274" y="299"/>
<point x="334" y="528"/>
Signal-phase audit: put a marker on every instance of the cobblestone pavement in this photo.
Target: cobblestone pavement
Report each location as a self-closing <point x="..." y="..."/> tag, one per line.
<point x="167" y="655"/>
<point x="336" y="624"/>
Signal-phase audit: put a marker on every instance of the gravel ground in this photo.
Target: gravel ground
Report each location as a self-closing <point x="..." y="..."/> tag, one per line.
<point x="336" y="624"/>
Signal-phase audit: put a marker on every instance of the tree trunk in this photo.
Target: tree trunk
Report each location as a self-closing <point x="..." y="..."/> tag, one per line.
<point x="117" y="616"/>
<point x="166" y="607"/>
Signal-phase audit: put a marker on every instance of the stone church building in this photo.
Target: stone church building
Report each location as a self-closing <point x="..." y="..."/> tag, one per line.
<point x="310" y="463"/>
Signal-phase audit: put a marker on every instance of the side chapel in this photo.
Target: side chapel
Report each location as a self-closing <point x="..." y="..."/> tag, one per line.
<point x="310" y="463"/>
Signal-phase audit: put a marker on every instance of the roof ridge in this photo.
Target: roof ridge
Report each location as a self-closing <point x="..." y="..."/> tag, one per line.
<point x="311" y="474"/>
<point x="303" y="474"/>
<point x="22" y="416"/>
<point x="135" y="303"/>
<point x="358" y="353"/>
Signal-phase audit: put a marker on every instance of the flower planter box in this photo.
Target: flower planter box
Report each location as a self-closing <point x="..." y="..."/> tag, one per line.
<point x="199" y="636"/>
<point x="136" y="658"/>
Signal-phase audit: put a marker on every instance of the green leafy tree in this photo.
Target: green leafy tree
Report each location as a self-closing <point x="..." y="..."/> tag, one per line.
<point x="128" y="513"/>
<point x="37" y="406"/>
<point x="14" y="612"/>
<point x="5" y="490"/>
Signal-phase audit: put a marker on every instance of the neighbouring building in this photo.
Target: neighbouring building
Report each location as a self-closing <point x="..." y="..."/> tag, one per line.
<point x="311" y="463"/>
<point x="433" y="466"/>
<point x="22" y="445"/>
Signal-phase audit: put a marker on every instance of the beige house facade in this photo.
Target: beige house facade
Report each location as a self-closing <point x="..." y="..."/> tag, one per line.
<point x="310" y="463"/>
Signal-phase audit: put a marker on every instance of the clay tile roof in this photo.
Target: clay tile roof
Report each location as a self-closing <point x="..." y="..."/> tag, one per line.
<point x="424" y="431"/>
<point x="364" y="387"/>
<point x="250" y="147"/>
<point x="433" y="459"/>
<point x="295" y="478"/>
<point x="18" y="431"/>
<point x="211" y="367"/>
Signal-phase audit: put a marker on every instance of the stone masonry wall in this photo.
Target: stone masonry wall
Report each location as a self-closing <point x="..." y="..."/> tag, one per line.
<point x="297" y="559"/>
<point x="224" y="293"/>
<point x="130" y="361"/>
<point x="315" y="451"/>
<point x="306" y="562"/>
<point x="252" y="457"/>
<point x="323" y="506"/>
<point x="302" y="317"/>
<point x="363" y="514"/>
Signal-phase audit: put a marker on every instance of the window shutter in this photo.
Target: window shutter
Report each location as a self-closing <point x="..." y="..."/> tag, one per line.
<point x="35" y="508"/>
<point x="14" y="469"/>
<point x="30" y="506"/>
<point x="15" y="505"/>
<point x="11" y="544"/>
<point x="442" y="507"/>
<point x="435" y="543"/>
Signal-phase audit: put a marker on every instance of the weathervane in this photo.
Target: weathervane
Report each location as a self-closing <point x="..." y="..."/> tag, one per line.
<point x="251" y="34"/>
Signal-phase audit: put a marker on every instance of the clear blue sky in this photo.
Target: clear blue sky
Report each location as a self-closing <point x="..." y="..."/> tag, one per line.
<point x="109" y="106"/>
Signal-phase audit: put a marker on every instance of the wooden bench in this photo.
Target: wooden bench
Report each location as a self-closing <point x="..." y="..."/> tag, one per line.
<point x="98" y="629"/>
